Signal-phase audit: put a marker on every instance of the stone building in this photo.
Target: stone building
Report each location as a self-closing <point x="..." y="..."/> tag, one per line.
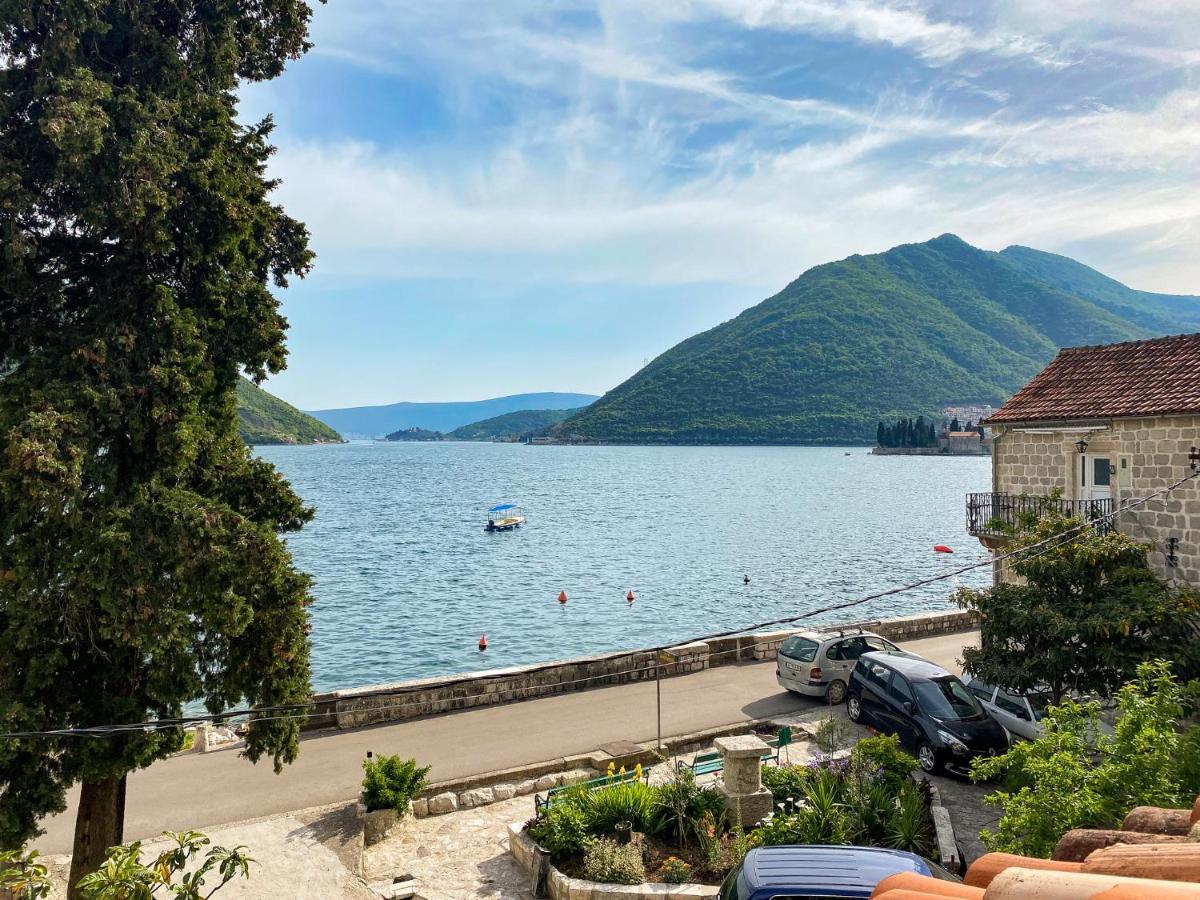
<point x="1096" y="430"/>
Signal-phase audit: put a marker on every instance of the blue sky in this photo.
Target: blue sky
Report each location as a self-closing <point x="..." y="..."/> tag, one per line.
<point x="516" y="196"/>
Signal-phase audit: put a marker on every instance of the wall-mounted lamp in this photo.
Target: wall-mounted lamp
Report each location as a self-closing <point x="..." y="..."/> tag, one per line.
<point x="1172" y="556"/>
<point x="1194" y="457"/>
<point x="1081" y="445"/>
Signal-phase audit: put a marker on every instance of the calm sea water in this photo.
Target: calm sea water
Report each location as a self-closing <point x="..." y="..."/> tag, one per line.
<point x="407" y="580"/>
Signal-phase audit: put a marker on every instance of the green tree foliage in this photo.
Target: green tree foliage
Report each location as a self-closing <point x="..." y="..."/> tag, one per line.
<point x="1077" y="776"/>
<point x="907" y="433"/>
<point x="852" y="342"/>
<point x="265" y="419"/>
<point x="140" y="558"/>
<point x="511" y="426"/>
<point x="1086" y="615"/>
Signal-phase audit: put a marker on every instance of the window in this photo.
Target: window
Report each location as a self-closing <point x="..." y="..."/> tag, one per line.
<point x="947" y="698"/>
<point x="1039" y="703"/>
<point x="900" y="690"/>
<point x="878" y="643"/>
<point x="1012" y="705"/>
<point x="878" y="676"/>
<point x="979" y="689"/>
<point x="1101" y="471"/>
<point x="799" y="648"/>
<point x="851" y="648"/>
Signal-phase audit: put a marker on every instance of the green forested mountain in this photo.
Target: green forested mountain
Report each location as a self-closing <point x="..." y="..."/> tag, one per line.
<point x="265" y="419"/>
<point x="510" y="426"/>
<point x="872" y="338"/>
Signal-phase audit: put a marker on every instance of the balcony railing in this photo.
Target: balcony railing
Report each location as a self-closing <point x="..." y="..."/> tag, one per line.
<point x="999" y="514"/>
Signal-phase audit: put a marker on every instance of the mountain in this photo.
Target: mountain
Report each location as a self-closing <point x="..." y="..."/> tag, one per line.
<point x="265" y="419"/>
<point x="377" y="421"/>
<point x="866" y="338"/>
<point x="510" y="426"/>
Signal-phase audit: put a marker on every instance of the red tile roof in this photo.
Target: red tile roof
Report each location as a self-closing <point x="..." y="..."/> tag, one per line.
<point x="1138" y="378"/>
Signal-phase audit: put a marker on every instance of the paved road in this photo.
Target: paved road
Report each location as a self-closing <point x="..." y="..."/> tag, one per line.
<point x="221" y="787"/>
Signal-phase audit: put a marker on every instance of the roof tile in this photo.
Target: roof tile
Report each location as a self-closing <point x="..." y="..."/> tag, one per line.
<point x="1138" y="378"/>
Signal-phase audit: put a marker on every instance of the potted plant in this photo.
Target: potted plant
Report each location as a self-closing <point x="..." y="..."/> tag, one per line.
<point x="389" y="784"/>
<point x="624" y="830"/>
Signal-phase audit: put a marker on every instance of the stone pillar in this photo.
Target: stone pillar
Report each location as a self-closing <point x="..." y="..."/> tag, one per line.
<point x="744" y="793"/>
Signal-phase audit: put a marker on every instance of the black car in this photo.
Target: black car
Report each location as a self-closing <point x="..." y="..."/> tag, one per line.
<point x="929" y="709"/>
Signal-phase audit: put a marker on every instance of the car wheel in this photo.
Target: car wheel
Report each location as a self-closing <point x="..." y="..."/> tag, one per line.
<point x="854" y="708"/>
<point x="836" y="693"/>
<point x="928" y="758"/>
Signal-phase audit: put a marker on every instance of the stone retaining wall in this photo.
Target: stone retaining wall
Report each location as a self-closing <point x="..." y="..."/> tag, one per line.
<point x="411" y="699"/>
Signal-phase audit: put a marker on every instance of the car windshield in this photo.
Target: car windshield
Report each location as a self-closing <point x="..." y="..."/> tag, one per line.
<point x="1039" y="703"/>
<point x="947" y="698"/>
<point x="801" y="649"/>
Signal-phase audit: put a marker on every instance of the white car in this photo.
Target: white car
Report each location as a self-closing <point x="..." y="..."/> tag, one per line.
<point x="818" y="664"/>
<point x="1021" y="714"/>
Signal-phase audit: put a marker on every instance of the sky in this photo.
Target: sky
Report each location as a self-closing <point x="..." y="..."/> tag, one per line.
<point x="523" y="196"/>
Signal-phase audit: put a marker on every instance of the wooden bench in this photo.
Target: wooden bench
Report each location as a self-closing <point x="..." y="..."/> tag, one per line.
<point x="541" y="804"/>
<point x="712" y="762"/>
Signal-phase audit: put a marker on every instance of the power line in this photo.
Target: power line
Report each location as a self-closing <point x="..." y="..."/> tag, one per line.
<point x="301" y="710"/>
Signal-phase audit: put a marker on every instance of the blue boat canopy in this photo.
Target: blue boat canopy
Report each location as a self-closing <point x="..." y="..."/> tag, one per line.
<point x="502" y="507"/>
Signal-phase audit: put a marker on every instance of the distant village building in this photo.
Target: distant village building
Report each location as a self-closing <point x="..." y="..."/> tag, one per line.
<point x="1098" y="428"/>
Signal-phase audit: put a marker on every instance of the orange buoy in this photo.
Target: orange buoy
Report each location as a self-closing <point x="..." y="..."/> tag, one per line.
<point x="941" y="548"/>
<point x="629" y="596"/>
<point x="482" y="642"/>
<point x="562" y="597"/>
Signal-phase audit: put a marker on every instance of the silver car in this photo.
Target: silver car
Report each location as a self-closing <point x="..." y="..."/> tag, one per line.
<point x="1021" y="714"/>
<point x="818" y="664"/>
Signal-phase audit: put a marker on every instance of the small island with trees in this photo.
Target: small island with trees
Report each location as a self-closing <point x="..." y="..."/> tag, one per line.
<point x="922" y="437"/>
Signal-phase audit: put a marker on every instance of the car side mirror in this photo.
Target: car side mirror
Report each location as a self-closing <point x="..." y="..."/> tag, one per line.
<point x="909" y="708"/>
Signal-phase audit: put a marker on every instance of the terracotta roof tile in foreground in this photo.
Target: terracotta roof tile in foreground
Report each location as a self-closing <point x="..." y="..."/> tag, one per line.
<point x="1137" y="378"/>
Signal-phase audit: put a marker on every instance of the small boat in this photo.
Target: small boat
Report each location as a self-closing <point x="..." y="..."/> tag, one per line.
<point x="504" y="517"/>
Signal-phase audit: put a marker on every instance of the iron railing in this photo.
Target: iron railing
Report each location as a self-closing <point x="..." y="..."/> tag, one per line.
<point x="1000" y="514"/>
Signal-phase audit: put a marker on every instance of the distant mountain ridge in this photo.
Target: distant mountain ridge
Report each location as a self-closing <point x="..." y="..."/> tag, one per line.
<point x="265" y="419"/>
<point x="378" y="421"/>
<point x="511" y="426"/>
<point x="871" y="338"/>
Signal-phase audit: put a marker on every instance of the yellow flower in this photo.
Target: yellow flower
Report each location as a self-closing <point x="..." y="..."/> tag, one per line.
<point x="637" y="772"/>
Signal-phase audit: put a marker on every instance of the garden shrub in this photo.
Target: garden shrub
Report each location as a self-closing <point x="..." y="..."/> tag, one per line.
<point x="1075" y="776"/>
<point x="124" y="875"/>
<point x="606" y="860"/>
<point x="680" y="804"/>
<point x="563" y="828"/>
<point x="632" y="801"/>
<point x="675" y="871"/>
<point x="883" y="753"/>
<point x="1187" y="762"/>
<point x="832" y="735"/>
<point x="785" y="782"/>
<point x="391" y="782"/>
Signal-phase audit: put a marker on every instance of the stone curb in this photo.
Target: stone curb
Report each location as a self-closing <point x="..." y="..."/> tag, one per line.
<point x="943" y="825"/>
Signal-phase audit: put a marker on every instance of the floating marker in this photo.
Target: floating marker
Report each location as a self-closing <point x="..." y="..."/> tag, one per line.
<point x="629" y="596"/>
<point x="562" y="597"/>
<point x="482" y="642"/>
<point x="745" y="579"/>
<point x="941" y="548"/>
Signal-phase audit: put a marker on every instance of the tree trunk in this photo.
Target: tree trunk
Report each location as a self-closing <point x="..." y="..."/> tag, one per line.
<point x="99" y="824"/>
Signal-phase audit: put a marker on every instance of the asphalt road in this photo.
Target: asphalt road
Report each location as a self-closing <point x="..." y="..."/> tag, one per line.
<point x="200" y="791"/>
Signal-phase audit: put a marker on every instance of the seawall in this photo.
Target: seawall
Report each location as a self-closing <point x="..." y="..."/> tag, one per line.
<point x="422" y="697"/>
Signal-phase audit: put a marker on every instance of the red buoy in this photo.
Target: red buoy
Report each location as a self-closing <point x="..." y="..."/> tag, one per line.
<point x="482" y="642"/>
<point x="941" y="548"/>
<point x="629" y="596"/>
<point x="562" y="596"/>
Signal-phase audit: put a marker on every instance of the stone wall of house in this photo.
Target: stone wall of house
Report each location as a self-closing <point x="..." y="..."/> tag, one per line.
<point x="1150" y="454"/>
<point x="410" y="699"/>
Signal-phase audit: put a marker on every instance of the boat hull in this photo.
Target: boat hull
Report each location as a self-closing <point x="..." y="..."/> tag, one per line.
<point x="509" y="524"/>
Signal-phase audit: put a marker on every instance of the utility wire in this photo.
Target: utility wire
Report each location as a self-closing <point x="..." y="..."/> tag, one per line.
<point x="301" y="710"/>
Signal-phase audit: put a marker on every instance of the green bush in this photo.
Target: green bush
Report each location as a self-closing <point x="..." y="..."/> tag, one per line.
<point x="1075" y="776"/>
<point x="563" y="828"/>
<point x="22" y="875"/>
<point x="680" y="804"/>
<point x="883" y="753"/>
<point x="391" y="782"/>
<point x="785" y="782"/>
<point x="676" y="871"/>
<point x="123" y="875"/>
<point x="606" y="860"/>
<point x="1187" y="762"/>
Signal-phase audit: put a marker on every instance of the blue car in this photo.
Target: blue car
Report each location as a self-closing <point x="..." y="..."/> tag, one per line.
<point x="805" y="872"/>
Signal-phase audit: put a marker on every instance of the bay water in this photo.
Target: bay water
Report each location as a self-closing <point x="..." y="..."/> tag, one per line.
<point x="407" y="580"/>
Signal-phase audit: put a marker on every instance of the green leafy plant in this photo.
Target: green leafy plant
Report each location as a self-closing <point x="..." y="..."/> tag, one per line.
<point x="785" y="782"/>
<point x="883" y="754"/>
<point x="606" y="860"/>
<point x="22" y="876"/>
<point x="1076" y="776"/>
<point x="630" y="801"/>
<point x="173" y="874"/>
<point x="910" y="827"/>
<point x="563" y="827"/>
<point x="391" y="782"/>
<point x="680" y="804"/>
<point x="675" y="871"/>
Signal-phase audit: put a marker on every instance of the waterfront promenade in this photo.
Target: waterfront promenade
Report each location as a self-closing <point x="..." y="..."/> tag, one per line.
<point x="201" y="791"/>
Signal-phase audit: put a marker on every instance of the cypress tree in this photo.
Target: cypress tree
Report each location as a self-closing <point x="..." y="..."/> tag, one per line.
<point x="879" y="436"/>
<point x="140" y="558"/>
